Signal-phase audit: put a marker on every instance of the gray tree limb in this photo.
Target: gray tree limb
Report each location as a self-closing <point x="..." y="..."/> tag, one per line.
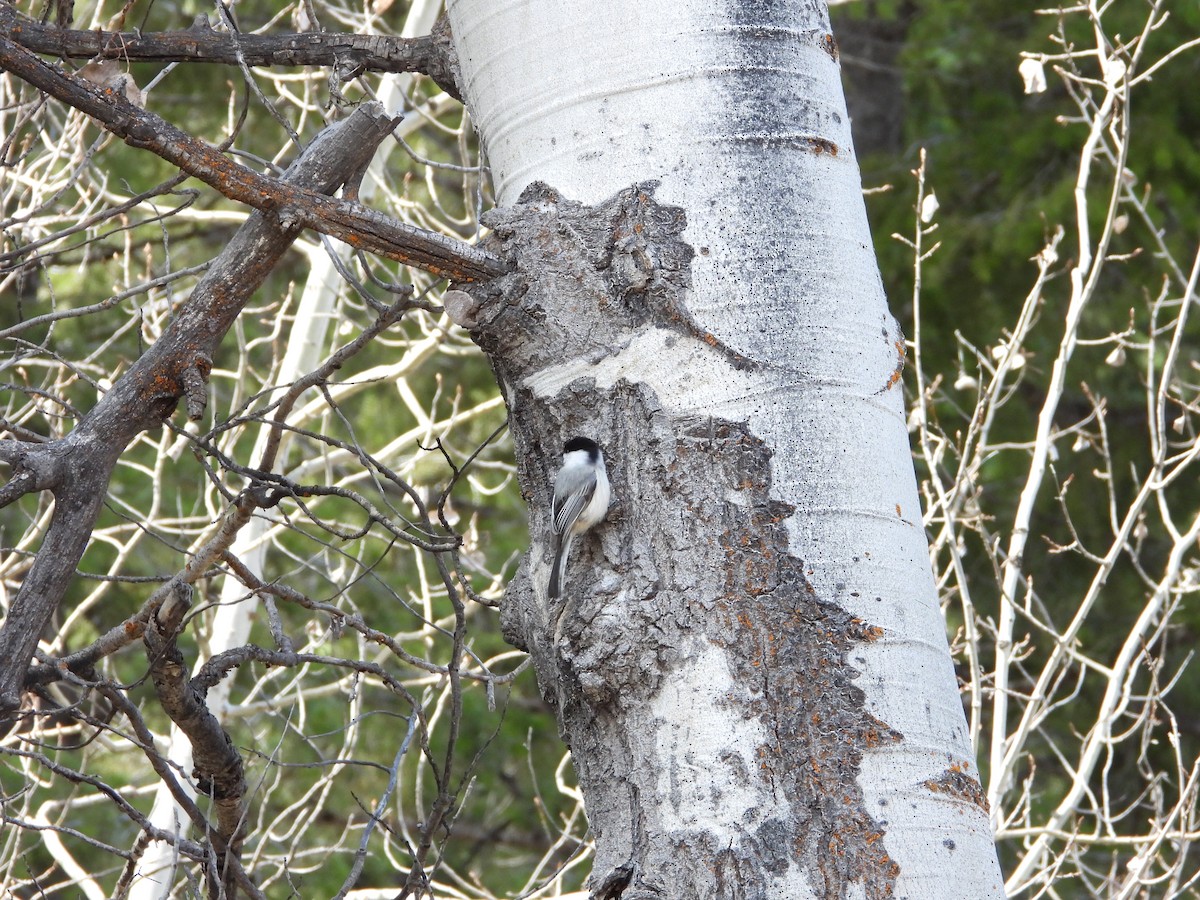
<point x="294" y="204"/>
<point x="218" y="765"/>
<point x="200" y="43"/>
<point x="77" y="467"/>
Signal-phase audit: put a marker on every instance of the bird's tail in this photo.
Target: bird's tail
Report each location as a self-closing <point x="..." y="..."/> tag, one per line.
<point x="559" y="569"/>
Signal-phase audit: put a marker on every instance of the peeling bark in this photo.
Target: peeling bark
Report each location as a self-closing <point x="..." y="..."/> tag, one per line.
<point x="742" y="639"/>
<point x="643" y="609"/>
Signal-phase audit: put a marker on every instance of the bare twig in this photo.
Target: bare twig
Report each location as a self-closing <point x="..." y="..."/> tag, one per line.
<point x="147" y="393"/>
<point x="292" y="203"/>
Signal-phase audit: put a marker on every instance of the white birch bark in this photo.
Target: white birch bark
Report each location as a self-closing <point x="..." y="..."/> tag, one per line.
<point x="751" y="668"/>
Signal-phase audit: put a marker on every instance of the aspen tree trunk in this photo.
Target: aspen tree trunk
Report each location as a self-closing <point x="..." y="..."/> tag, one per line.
<point x="749" y="663"/>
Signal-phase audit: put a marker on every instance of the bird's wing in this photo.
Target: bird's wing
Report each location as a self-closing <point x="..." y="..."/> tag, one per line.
<point x="568" y="507"/>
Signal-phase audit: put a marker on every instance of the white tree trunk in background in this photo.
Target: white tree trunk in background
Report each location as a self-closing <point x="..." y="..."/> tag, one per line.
<point x="801" y="733"/>
<point x="307" y="345"/>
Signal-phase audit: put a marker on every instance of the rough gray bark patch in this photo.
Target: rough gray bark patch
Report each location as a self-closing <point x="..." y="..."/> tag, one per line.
<point x="693" y="555"/>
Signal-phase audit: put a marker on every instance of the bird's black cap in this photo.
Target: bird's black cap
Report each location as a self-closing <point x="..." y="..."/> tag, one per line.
<point x="581" y="443"/>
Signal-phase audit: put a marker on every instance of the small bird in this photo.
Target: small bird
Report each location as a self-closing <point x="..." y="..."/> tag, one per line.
<point x="581" y="495"/>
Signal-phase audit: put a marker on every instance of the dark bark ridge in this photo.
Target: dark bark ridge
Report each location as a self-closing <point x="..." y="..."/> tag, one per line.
<point x="349" y="53"/>
<point x="77" y="467"/>
<point x="640" y="605"/>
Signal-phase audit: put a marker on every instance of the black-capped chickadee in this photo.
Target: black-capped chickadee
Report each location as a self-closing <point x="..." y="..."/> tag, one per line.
<point x="581" y="495"/>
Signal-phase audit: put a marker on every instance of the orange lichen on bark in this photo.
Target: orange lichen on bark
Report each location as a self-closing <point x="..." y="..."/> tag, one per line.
<point x="830" y="45"/>
<point x="956" y="782"/>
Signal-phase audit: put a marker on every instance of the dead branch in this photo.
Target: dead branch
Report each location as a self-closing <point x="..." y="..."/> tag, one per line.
<point x="292" y="204"/>
<point x="218" y="766"/>
<point x="134" y="627"/>
<point x="77" y="468"/>
<point x="350" y="53"/>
